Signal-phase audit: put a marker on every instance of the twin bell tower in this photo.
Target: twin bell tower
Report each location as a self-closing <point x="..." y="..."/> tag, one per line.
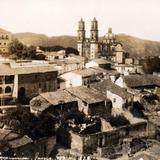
<point x="88" y="47"/>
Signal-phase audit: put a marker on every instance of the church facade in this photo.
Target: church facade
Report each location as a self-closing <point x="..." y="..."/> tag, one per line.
<point x="93" y="47"/>
<point x="88" y="48"/>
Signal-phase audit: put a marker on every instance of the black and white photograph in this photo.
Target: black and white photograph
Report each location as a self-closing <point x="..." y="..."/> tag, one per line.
<point x="80" y="80"/>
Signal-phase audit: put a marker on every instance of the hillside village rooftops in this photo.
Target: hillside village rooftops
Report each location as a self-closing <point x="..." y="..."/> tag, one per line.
<point x="88" y="95"/>
<point x="107" y="71"/>
<point x="14" y="140"/>
<point x="87" y="72"/>
<point x="66" y="61"/>
<point x="124" y="65"/>
<point x="58" y="53"/>
<point x="39" y="104"/>
<point x="16" y="143"/>
<point x="141" y="80"/>
<point x="6" y="69"/>
<point x="58" y="97"/>
<point x="6" y="134"/>
<point x="110" y="86"/>
<point x="45" y="100"/>
<point x="101" y="61"/>
<point x="76" y="56"/>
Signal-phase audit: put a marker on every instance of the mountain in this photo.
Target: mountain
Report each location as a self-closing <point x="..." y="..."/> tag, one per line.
<point x="135" y="46"/>
<point x="139" y="47"/>
<point x="43" y="40"/>
<point x="3" y="30"/>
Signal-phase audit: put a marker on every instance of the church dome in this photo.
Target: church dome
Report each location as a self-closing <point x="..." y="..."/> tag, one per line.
<point x="110" y="35"/>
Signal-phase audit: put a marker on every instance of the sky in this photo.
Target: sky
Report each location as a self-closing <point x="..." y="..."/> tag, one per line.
<point x="140" y="18"/>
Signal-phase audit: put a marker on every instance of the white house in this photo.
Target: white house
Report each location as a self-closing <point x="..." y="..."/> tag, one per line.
<point x="118" y="96"/>
<point x="139" y="85"/>
<point x="103" y="63"/>
<point x="81" y="77"/>
<point x="71" y="79"/>
<point x="125" y="69"/>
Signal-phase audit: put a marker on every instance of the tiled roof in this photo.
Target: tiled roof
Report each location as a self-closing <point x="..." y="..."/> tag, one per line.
<point x="16" y="143"/>
<point x="88" y="95"/>
<point x="39" y="104"/>
<point x="45" y="100"/>
<point x="101" y="61"/>
<point x="6" y="69"/>
<point x="107" y="71"/>
<point x="87" y="72"/>
<point x="60" y="96"/>
<point x="112" y="87"/>
<point x="13" y="140"/>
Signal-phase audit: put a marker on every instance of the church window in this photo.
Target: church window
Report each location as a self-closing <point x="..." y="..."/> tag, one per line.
<point x="8" y="89"/>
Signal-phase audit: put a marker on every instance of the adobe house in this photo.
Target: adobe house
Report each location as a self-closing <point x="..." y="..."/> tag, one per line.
<point x="26" y="80"/>
<point x="125" y="69"/>
<point x="82" y="77"/>
<point x="108" y="73"/>
<point x="69" y="64"/>
<point x="109" y="136"/>
<point x="139" y="85"/>
<point x="57" y="103"/>
<point x="99" y="62"/>
<point x="118" y="96"/>
<point x="15" y="145"/>
<point x="139" y="82"/>
<point x="12" y="143"/>
<point x="51" y="56"/>
<point x="91" y="101"/>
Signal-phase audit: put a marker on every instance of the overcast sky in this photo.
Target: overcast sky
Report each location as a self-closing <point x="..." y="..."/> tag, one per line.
<point x="139" y="18"/>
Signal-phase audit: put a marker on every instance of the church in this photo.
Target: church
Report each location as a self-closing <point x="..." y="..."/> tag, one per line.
<point x="95" y="47"/>
<point x="88" y="48"/>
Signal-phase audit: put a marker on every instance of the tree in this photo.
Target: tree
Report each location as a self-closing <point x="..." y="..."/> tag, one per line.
<point x="40" y="57"/>
<point x="21" y="51"/>
<point x="16" y="48"/>
<point x="71" y="50"/>
<point x="151" y="65"/>
<point x="58" y="48"/>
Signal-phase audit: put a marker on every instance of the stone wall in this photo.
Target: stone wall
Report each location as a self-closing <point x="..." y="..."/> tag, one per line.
<point x="91" y="142"/>
<point x="37" y="83"/>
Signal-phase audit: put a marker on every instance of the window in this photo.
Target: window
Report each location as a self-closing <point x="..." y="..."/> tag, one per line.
<point x="8" y="89"/>
<point x="114" y="100"/>
<point x="1" y="90"/>
<point x="7" y="37"/>
<point x="56" y="57"/>
<point x="9" y="79"/>
<point x="4" y="43"/>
